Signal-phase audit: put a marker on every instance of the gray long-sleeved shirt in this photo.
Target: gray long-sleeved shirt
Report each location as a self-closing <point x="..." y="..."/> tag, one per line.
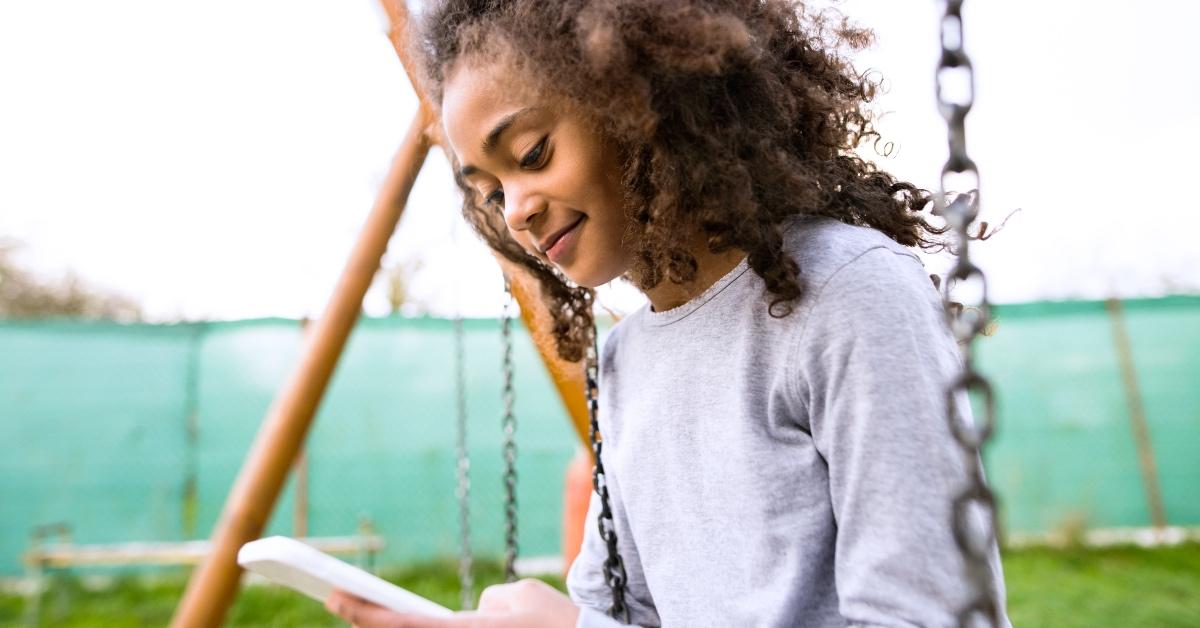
<point x="793" y="471"/>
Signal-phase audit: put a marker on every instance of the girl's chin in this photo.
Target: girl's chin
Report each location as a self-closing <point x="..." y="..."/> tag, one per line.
<point x="583" y="281"/>
<point x="586" y="278"/>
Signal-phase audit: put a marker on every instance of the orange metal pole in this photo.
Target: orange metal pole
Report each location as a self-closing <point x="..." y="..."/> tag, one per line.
<point x="249" y="505"/>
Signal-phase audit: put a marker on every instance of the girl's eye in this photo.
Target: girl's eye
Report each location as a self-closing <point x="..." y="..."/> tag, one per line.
<point x="531" y="159"/>
<point x="534" y="159"/>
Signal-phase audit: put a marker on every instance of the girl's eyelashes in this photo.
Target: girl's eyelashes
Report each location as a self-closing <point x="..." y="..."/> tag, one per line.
<point x="533" y="158"/>
<point x="495" y="199"/>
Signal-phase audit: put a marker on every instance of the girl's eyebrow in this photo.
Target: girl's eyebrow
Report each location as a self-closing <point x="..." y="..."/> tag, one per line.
<point x="493" y="137"/>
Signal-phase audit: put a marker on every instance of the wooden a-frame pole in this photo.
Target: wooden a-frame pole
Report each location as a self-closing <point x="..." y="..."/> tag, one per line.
<point x="214" y="584"/>
<point x="248" y="507"/>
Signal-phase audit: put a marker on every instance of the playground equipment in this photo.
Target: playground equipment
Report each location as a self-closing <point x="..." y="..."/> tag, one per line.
<point x="213" y="585"/>
<point x="967" y="323"/>
<point x="463" y="489"/>
<point x="52" y="548"/>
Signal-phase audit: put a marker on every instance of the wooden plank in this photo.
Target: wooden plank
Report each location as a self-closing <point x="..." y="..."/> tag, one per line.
<point x="184" y="553"/>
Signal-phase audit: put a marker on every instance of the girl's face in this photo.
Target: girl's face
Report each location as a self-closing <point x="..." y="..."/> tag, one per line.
<point x="536" y="160"/>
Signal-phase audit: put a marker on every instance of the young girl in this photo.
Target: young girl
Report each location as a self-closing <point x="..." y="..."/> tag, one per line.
<point x="774" y="442"/>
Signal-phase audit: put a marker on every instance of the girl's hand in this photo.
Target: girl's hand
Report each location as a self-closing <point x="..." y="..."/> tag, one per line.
<point x="526" y="603"/>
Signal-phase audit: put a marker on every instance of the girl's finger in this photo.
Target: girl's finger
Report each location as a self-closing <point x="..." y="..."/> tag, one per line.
<point x="363" y="614"/>
<point x="496" y="598"/>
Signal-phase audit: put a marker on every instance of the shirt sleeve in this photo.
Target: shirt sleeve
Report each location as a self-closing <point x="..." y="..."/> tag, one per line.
<point x="592" y="618"/>
<point x="585" y="579"/>
<point x="874" y="359"/>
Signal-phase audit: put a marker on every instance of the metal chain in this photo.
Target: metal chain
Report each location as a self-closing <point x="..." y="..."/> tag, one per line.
<point x="463" y="491"/>
<point x="966" y="323"/>
<point x="614" y="567"/>
<point x="509" y="423"/>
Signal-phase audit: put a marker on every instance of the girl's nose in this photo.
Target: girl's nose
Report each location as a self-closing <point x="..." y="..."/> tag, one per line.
<point x="521" y="208"/>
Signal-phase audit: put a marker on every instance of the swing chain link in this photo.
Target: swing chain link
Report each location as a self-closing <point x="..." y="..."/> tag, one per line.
<point x="509" y="423"/>
<point x="966" y="323"/>
<point x="463" y="490"/>
<point x="614" y="567"/>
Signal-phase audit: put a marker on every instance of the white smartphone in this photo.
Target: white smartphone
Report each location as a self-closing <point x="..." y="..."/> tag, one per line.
<point x="316" y="574"/>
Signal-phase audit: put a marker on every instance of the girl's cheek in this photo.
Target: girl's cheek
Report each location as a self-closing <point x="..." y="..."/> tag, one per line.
<point x="526" y="242"/>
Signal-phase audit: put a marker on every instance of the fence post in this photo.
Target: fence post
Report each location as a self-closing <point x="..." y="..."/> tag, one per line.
<point x="1137" y="414"/>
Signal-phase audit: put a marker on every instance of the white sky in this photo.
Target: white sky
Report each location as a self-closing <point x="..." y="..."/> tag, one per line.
<point x="217" y="159"/>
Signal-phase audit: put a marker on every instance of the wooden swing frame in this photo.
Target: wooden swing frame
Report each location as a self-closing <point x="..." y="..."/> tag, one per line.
<point x="214" y="584"/>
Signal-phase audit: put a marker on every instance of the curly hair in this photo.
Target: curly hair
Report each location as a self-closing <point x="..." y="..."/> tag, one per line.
<point x="730" y="118"/>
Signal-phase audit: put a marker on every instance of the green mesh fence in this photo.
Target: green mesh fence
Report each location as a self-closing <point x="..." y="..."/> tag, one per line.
<point x="136" y="432"/>
<point x="1065" y="452"/>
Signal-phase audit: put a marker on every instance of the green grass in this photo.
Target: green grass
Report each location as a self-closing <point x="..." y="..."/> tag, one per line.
<point x="1123" y="587"/>
<point x="1119" y="586"/>
<point x="137" y="601"/>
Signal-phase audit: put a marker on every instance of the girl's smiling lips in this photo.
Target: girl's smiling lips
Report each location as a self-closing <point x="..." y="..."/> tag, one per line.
<point x="556" y="246"/>
<point x="545" y="246"/>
